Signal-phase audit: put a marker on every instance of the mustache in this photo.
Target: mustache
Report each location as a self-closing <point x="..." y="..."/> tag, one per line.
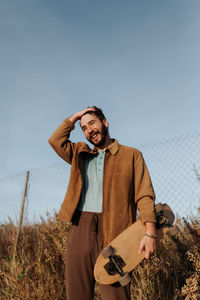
<point x="93" y="132"/>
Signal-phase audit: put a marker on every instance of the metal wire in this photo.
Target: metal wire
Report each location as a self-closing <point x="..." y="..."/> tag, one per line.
<point x="173" y="164"/>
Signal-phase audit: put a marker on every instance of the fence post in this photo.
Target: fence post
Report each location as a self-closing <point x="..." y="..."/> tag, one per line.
<point x="20" y="218"/>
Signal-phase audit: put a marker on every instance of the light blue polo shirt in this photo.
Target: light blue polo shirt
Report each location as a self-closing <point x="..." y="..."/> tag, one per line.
<point x="92" y="191"/>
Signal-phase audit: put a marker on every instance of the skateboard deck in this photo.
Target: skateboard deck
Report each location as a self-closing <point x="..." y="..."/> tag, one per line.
<point x="121" y="255"/>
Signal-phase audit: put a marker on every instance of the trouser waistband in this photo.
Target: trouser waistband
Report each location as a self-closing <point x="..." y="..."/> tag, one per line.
<point x="92" y="217"/>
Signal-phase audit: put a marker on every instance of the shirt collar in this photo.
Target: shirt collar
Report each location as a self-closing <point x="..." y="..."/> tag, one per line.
<point x="112" y="148"/>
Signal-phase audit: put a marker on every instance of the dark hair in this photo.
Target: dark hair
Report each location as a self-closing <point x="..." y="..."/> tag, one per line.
<point x="97" y="112"/>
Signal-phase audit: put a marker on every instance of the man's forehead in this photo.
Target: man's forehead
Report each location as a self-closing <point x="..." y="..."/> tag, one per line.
<point x="87" y="118"/>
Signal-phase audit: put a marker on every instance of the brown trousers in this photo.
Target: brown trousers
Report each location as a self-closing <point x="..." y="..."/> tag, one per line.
<point x="83" y="247"/>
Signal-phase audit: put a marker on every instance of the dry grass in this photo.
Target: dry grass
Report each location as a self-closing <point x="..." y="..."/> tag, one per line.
<point x="38" y="272"/>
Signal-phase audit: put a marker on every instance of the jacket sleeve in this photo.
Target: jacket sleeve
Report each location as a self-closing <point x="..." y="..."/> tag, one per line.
<point x="144" y="192"/>
<point x="60" y="142"/>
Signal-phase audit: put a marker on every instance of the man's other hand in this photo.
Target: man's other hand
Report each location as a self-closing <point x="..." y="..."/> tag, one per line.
<point x="148" y="244"/>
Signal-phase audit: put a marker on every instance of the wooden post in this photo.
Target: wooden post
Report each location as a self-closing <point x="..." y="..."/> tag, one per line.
<point x="20" y="218"/>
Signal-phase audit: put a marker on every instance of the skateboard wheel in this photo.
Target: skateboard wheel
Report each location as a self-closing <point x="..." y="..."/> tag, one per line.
<point x="159" y="207"/>
<point x="108" y="251"/>
<point x="124" y="280"/>
<point x="174" y="230"/>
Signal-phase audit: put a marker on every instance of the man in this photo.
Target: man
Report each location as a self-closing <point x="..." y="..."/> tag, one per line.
<point x="106" y="186"/>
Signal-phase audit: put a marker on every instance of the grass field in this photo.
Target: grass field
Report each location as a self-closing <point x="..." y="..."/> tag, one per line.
<point x="38" y="270"/>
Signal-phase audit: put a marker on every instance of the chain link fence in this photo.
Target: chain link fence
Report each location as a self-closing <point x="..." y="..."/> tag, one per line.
<point x="172" y="163"/>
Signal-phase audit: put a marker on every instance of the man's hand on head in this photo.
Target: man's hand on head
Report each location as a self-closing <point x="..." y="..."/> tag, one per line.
<point x="77" y="116"/>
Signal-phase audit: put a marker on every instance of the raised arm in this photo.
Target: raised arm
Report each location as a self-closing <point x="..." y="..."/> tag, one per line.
<point x="59" y="140"/>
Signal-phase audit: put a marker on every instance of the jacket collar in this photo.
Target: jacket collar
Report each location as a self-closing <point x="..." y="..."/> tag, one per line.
<point x="112" y="148"/>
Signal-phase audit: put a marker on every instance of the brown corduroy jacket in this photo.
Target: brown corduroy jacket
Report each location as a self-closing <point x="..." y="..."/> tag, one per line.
<point x="126" y="182"/>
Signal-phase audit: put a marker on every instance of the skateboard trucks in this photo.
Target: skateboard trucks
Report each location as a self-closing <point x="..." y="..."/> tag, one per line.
<point x="165" y="219"/>
<point x="115" y="265"/>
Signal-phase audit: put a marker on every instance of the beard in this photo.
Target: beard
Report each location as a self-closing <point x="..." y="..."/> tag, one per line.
<point x="103" y="133"/>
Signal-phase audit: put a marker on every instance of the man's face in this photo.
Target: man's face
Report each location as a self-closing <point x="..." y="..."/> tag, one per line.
<point x="95" y="130"/>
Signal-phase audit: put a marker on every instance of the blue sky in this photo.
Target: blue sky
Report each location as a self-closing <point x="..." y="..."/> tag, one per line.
<point x="137" y="60"/>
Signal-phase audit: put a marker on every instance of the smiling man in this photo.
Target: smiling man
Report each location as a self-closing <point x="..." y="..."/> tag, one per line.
<point x="107" y="185"/>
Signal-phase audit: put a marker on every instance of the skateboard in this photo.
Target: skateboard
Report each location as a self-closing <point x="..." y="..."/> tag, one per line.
<point x="120" y="257"/>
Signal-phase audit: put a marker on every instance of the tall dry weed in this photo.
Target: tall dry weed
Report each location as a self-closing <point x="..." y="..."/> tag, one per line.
<point x="169" y="273"/>
<point x="38" y="270"/>
<point x="191" y="288"/>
